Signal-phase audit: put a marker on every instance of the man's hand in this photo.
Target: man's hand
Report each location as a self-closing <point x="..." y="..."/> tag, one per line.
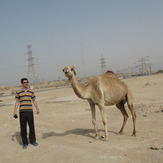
<point x="38" y="111"/>
<point x="36" y="106"/>
<point x="16" y="107"/>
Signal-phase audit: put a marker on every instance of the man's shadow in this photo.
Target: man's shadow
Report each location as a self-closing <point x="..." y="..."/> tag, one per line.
<point x="16" y="137"/>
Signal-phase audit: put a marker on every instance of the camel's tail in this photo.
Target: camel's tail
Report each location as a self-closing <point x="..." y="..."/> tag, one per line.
<point x="131" y="107"/>
<point x="129" y="97"/>
<point x="130" y="100"/>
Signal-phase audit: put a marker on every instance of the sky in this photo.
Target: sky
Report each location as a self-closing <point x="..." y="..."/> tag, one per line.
<point x="79" y="33"/>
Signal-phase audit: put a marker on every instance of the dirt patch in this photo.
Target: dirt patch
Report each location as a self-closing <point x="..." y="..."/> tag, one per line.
<point x="66" y="135"/>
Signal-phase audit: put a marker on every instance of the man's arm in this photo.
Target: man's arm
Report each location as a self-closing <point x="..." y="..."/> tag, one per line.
<point x="16" y="107"/>
<point x="36" y="106"/>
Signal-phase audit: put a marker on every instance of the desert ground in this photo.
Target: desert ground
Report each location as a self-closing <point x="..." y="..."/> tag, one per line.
<point x="65" y="132"/>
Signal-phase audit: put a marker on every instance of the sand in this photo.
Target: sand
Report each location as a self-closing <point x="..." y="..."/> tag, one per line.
<point x="66" y="135"/>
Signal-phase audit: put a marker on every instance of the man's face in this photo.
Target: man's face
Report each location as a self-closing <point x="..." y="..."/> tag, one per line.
<point x="25" y="83"/>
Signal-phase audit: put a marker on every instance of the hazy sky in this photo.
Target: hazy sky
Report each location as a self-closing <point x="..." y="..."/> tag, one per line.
<point x="68" y="32"/>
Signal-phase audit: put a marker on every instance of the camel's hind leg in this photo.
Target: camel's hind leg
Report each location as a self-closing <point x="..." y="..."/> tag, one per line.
<point x="131" y="107"/>
<point x="121" y="107"/>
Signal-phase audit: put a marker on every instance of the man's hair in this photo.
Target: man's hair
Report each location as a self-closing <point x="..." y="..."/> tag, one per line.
<point x="23" y="80"/>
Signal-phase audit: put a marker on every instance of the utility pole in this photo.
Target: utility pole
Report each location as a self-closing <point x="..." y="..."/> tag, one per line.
<point x="82" y="54"/>
<point x="103" y="64"/>
<point x="32" y="75"/>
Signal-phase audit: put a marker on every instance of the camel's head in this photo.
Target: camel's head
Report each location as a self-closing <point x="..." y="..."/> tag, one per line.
<point x="69" y="71"/>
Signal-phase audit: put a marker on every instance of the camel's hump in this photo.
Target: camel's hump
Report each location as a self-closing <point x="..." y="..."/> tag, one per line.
<point x="109" y="72"/>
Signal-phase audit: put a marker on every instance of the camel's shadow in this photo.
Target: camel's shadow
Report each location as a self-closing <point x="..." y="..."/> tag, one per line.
<point x="16" y="137"/>
<point x="78" y="131"/>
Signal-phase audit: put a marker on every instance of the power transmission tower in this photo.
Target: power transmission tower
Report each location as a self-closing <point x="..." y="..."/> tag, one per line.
<point x="144" y="66"/>
<point x="103" y="64"/>
<point x="32" y="75"/>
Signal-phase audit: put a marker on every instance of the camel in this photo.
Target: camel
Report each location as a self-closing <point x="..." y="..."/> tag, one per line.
<point x="103" y="90"/>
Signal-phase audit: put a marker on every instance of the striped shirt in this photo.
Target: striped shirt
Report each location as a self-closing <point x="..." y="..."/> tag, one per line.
<point x="25" y="99"/>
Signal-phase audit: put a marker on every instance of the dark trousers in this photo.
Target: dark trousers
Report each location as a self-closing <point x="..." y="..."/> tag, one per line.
<point x="27" y="117"/>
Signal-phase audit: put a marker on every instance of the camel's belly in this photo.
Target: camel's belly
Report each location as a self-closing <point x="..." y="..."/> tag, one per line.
<point x="108" y="103"/>
<point x="113" y="100"/>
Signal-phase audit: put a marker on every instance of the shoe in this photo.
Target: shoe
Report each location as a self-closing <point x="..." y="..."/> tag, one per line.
<point x="35" y="143"/>
<point x="24" y="146"/>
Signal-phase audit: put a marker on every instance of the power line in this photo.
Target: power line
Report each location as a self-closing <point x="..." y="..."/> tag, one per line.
<point x="143" y="68"/>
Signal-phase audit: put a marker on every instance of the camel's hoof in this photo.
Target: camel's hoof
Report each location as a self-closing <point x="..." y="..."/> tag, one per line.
<point x="120" y="133"/>
<point x="104" y="138"/>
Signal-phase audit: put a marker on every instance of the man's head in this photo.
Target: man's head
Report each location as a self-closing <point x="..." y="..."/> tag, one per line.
<point x="24" y="82"/>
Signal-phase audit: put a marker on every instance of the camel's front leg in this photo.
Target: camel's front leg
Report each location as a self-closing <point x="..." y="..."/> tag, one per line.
<point x="93" y="111"/>
<point x="104" y="120"/>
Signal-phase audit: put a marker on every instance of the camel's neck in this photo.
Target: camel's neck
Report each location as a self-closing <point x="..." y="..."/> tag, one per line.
<point x="79" y="90"/>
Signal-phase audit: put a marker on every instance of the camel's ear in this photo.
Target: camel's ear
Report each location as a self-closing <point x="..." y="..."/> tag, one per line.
<point x="72" y="68"/>
<point x="75" y="72"/>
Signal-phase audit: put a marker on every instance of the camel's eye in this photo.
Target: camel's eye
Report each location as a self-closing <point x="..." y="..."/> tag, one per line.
<point x="72" y="69"/>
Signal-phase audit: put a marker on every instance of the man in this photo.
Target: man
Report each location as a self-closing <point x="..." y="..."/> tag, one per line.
<point x="24" y="98"/>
